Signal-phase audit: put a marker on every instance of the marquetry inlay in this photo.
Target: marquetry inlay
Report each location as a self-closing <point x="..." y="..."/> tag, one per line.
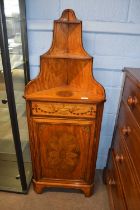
<point x="63" y="109"/>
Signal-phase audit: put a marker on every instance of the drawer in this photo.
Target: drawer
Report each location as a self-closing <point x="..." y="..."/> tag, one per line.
<point x="130" y="131"/>
<point x="130" y="186"/>
<point x="63" y="109"/>
<point x="131" y="96"/>
<point x="114" y="186"/>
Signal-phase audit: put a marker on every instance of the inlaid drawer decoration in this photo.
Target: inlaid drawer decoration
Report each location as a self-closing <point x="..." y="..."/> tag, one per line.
<point x="63" y="109"/>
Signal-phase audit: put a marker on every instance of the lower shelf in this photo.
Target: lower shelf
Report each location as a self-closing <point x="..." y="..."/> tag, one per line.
<point x="9" y="173"/>
<point x="9" y="176"/>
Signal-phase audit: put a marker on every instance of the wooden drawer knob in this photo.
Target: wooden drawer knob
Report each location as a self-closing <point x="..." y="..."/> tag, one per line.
<point x="111" y="182"/>
<point x="119" y="158"/>
<point x="132" y="101"/>
<point x="126" y="130"/>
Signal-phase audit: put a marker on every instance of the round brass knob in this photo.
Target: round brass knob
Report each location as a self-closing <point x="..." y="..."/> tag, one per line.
<point x="126" y="130"/>
<point x="132" y="100"/>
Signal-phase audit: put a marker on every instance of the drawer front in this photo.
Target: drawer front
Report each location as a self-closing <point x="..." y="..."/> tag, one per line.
<point x="131" y="97"/>
<point x="130" y="186"/>
<point x="63" y="109"/>
<point x="130" y="131"/>
<point x="114" y="186"/>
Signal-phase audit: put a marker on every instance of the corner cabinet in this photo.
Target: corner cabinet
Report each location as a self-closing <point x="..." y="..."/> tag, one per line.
<point x="65" y="105"/>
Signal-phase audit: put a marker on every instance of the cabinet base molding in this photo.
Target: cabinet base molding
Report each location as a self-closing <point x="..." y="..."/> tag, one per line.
<point x="40" y="186"/>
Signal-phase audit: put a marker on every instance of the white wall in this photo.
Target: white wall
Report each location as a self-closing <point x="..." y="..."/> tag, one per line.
<point x="111" y="33"/>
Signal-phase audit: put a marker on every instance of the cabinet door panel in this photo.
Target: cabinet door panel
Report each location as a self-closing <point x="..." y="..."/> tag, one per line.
<point x="63" y="148"/>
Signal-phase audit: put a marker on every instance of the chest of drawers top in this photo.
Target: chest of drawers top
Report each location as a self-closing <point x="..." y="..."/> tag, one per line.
<point x="133" y="73"/>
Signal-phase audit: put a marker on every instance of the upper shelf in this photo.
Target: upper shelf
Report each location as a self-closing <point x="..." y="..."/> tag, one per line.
<point x="67" y="38"/>
<point x="68" y="21"/>
<point x="67" y="56"/>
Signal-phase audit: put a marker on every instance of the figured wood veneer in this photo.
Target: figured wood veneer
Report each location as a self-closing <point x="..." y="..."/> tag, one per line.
<point x="64" y="107"/>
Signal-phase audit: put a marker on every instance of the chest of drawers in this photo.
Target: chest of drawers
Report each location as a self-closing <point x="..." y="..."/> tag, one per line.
<point x="64" y="110"/>
<point x="122" y="173"/>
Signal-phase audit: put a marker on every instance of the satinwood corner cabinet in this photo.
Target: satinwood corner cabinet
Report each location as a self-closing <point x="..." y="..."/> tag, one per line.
<point x="65" y="105"/>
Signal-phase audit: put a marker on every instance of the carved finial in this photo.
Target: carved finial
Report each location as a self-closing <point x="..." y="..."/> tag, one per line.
<point x="68" y="15"/>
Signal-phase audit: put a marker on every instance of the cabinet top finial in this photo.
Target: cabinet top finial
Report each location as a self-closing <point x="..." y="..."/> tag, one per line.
<point x="68" y="15"/>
